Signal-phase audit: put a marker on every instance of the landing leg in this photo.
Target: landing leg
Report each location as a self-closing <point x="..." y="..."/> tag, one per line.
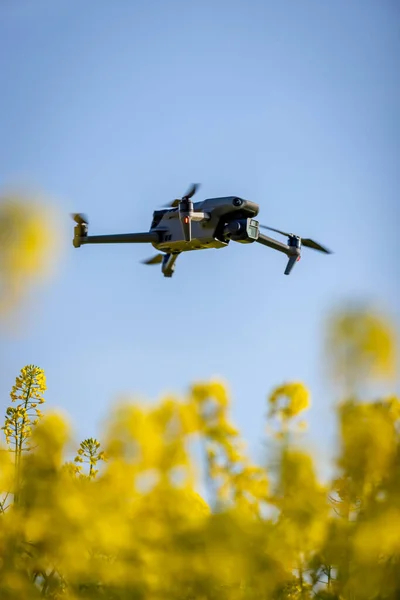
<point x="168" y="264"/>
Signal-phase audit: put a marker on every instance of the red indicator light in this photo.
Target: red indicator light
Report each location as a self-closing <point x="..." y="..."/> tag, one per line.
<point x="186" y="220"/>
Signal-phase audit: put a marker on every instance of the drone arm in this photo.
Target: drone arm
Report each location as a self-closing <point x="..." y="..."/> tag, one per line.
<point x="292" y="253"/>
<point x="120" y="238"/>
<point x="271" y="243"/>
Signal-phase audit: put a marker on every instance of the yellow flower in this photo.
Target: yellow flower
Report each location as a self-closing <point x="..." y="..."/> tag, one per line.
<point x="28" y="245"/>
<point x="361" y="346"/>
<point x="289" y="400"/>
<point x="379" y="536"/>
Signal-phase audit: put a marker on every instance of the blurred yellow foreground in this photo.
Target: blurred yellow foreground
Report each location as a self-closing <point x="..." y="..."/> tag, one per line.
<point x="121" y="518"/>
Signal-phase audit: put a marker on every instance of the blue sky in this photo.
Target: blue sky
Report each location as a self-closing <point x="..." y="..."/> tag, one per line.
<point x="115" y="108"/>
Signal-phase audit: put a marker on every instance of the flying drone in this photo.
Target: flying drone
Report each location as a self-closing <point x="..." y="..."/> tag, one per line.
<point x="183" y="225"/>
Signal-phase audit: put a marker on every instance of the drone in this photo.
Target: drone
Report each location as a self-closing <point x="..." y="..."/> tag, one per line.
<point x="182" y="225"/>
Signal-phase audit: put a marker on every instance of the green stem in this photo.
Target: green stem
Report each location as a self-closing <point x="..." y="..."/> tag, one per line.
<point x="16" y="465"/>
<point x="19" y="441"/>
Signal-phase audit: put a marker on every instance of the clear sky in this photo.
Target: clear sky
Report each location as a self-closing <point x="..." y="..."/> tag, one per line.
<point x="114" y="108"/>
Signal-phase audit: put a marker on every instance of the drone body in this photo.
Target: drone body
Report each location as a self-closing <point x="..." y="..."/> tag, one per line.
<point x="186" y="226"/>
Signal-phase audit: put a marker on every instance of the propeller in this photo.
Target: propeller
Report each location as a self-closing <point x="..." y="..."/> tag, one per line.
<point x="154" y="260"/>
<point x="191" y="191"/>
<point x="307" y="242"/>
<point x="185" y="206"/>
<point x="80" y="218"/>
<point x="314" y="245"/>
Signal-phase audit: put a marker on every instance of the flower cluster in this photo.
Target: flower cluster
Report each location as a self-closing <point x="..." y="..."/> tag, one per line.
<point x="147" y="525"/>
<point x="27" y="395"/>
<point x="89" y="452"/>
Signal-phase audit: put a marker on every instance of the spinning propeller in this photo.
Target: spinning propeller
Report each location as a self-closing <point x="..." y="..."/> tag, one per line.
<point x="186" y="213"/>
<point x="295" y="242"/>
<point x="80" y="218"/>
<point x="154" y="260"/>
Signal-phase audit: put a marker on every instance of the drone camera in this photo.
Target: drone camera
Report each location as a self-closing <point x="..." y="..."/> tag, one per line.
<point x="244" y="231"/>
